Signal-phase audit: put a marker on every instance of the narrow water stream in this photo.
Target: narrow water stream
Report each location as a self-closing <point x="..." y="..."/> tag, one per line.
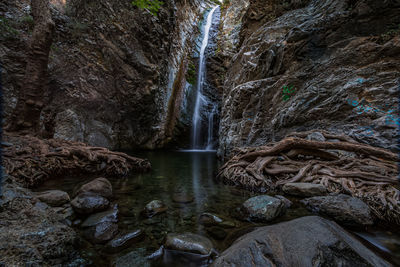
<point x="188" y="176"/>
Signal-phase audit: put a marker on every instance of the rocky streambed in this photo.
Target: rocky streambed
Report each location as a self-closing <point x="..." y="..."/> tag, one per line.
<point x="178" y="215"/>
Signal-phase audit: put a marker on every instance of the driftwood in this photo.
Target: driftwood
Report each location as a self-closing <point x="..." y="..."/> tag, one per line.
<point x="32" y="160"/>
<point x="341" y="165"/>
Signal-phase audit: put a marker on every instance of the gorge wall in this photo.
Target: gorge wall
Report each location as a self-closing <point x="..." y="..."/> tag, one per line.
<point x="117" y="73"/>
<point x="340" y="58"/>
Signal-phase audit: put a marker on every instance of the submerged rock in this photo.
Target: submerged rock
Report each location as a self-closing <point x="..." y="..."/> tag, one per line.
<point x="105" y="216"/>
<point x="217" y="232"/>
<point x="154" y="207"/>
<point x="54" y="198"/>
<point x="102" y="232"/>
<point x="88" y="203"/>
<point x="263" y="208"/>
<point x="307" y="241"/>
<point x="182" y="197"/>
<point x="304" y="189"/>
<point x="209" y="219"/>
<point x="124" y="241"/>
<point x="99" y="186"/>
<point x="188" y="242"/>
<point x="342" y="208"/>
<point x="136" y="257"/>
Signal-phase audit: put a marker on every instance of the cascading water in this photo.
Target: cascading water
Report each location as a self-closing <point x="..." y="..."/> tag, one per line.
<point x="202" y="100"/>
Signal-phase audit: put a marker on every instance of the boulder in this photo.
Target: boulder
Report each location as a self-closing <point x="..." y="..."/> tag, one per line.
<point x="188" y="242"/>
<point x="89" y="203"/>
<point x="105" y="216"/>
<point x="54" y="198"/>
<point x="304" y="189"/>
<point x="307" y="241"/>
<point x="342" y="208"/>
<point x="99" y="186"/>
<point x="124" y="241"/>
<point x="263" y="208"/>
<point x="154" y="207"/>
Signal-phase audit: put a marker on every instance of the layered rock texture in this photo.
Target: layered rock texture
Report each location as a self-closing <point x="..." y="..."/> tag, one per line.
<point x="116" y="72"/>
<point x="308" y="64"/>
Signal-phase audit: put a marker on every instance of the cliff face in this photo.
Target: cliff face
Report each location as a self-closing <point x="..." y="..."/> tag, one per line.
<point x="116" y="72"/>
<point x="317" y="64"/>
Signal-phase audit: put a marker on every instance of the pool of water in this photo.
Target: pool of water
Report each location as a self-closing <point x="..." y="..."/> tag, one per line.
<point x="189" y="175"/>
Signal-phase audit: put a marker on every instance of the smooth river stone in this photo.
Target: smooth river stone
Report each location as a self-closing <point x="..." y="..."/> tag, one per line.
<point x="189" y="242"/>
<point x="263" y="208"/>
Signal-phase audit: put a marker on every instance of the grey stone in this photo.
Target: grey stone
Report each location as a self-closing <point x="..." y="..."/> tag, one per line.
<point x="136" y="257"/>
<point x="307" y="241"/>
<point x="189" y="242"/>
<point x="88" y="203"/>
<point x="263" y="208"/>
<point x="54" y="198"/>
<point x="154" y="207"/>
<point x="105" y="216"/>
<point x="304" y="189"/>
<point x="342" y="208"/>
<point x="124" y="241"/>
<point x="99" y="186"/>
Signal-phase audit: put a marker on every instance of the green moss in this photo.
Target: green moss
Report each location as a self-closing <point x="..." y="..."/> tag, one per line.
<point x="150" y="5"/>
<point x="6" y="29"/>
<point x="393" y="31"/>
<point x="287" y="92"/>
<point x="191" y="74"/>
<point x="77" y="28"/>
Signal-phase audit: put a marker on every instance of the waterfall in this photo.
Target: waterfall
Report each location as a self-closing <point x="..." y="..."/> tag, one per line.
<point x="201" y="100"/>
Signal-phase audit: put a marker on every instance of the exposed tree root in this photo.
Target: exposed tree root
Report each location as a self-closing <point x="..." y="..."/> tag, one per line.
<point x="341" y="165"/>
<point x="32" y="160"/>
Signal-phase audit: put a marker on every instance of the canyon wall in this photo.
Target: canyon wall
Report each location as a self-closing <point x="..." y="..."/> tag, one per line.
<point x="116" y="72"/>
<point x="313" y="64"/>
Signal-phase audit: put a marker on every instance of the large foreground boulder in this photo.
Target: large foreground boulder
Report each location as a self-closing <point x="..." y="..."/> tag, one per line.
<point x="307" y="241"/>
<point x="342" y="208"/>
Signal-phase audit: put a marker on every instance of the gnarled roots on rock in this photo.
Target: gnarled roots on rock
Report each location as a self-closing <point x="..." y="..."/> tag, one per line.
<point x="32" y="160"/>
<point x="341" y="165"/>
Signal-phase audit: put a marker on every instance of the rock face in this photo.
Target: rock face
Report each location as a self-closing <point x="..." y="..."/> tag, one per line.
<point x="263" y="208"/>
<point x="89" y="203"/>
<point x="342" y="208"/>
<point x="307" y="241"/>
<point x="99" y="186"/>
<point x="54" y="197"/>
<point x="31" y="233"/>
<point x="342" y="71"/>
<point x="116" y="71"/>
<point x="304" y="189"/>
<point x="189" y="242"/>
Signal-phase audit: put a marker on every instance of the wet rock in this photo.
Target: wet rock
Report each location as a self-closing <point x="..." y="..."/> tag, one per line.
<point x="124" y="241"/>
<point x="99" y="186"/>
<point x="263" y="208"/>
<point x="102" y="232"/>
<point x="54" y="198"/>
<point x="304" y="189"/>
<point x="209" y="219"/>
<point x="182" y="197"/>
<point x="105" y="216"/>
<point x="189" y="242"/>
<point x="342" y="208"/>
<point x="136" y="257"/>
<point x="154" y="207"/>
<point x="217" y="232"/>
<point x="312" y="241"/>
<point x="287" y="202"/>
<point x="88" y="203"/>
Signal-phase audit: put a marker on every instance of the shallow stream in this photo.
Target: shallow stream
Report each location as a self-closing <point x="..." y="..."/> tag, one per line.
<point x="178" y="177"/>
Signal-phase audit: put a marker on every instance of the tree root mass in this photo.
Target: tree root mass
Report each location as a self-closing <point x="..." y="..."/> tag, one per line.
<point x="32" y="160"/>
<point x="339" y="163"/>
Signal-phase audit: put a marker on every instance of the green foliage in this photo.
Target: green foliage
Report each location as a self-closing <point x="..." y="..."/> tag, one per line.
<point x="77" y="28"/>
<point x="6" y="30"/>
<point x="28" y="21"/>
<point x="191" y="74"/>
<point x="393" y="31"/>
<point x="287" y="92"/>
<point x="150" y="5"/>
<point x="217" y="2"/>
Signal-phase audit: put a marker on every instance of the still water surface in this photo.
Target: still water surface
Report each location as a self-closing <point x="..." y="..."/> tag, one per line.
<point x="178" y="176"/>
